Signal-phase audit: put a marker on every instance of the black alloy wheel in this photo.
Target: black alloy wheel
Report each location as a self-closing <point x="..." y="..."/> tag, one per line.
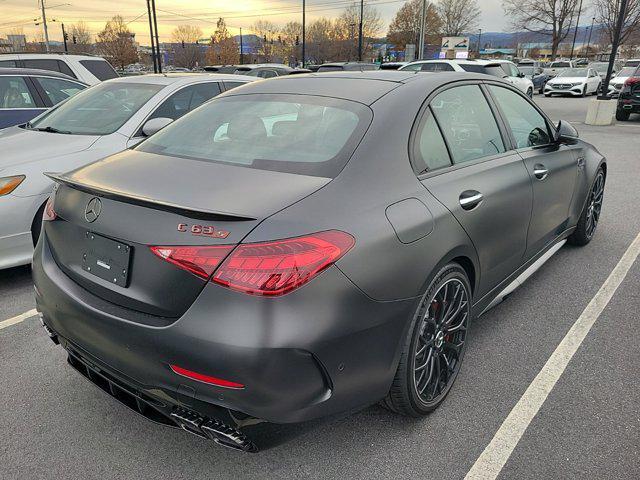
<point x="590" y="216"/>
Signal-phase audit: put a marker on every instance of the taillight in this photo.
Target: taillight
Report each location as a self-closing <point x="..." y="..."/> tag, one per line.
<point x="49" y="211"/>
<point x="201" y="261"/>
<point x="219" y="382"/>
<point x="632" y="81"/>
<point x="278" y="267"/>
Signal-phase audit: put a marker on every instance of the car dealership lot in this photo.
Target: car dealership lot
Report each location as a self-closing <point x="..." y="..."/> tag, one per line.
<point x="55" y="423"/>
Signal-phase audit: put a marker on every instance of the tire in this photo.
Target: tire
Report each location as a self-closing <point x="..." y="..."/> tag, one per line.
<point x="584" y="91"/>
<point x="36" y="225"/>
<point x="622" y="116"/>
<point x="590" y="216"/>
<point x="530" y="92"/>
<point x="547" y="94"/>
<point x="435" y="342"/>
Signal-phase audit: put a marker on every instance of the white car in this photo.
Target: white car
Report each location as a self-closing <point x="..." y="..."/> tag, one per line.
<point x="574" y="81"/>
<point x="557" y="66"/>
<point x="498" y="68"/>
<point x="86" y="68"/>
<point x="616" y="83"/>
<point x="97" y="122"/>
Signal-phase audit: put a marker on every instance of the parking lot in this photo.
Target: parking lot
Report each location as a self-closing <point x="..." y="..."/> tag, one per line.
<point x="55" y="424"/>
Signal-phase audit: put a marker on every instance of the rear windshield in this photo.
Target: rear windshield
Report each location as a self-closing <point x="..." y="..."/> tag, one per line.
<point x="286" y="133"/>
<point x="560" y="64"/>
<point x="493" y="70"/>
<point x="101" y="69"/>
<point x="331" y="68"/>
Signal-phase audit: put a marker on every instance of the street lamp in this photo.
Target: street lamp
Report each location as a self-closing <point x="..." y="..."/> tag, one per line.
<point x="593" y="19"/>
<point x="614" y="50"/>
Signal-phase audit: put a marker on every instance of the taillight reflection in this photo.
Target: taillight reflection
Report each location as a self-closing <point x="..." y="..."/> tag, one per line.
<point x="201" y="261"/>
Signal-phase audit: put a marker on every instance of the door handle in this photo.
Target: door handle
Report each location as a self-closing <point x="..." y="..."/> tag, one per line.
<point x="470" y="199"/>
<point x="540" y="171"/>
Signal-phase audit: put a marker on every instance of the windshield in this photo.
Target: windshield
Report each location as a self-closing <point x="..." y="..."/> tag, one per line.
<point x="600" y="66"/>
<point x="626" y="72"/>
<point x="286" y="133"/>
<point x="560" y="64"/>
<point x="526" y="70"/>
<point x="98" y="110"/>
<point x="573" y="72"/>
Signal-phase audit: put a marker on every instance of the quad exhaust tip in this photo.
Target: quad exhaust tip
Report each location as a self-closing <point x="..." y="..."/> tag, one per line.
<point x="221" y="433"/>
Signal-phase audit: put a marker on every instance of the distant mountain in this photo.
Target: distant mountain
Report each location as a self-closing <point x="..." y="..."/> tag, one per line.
<point x="511" y="39"/>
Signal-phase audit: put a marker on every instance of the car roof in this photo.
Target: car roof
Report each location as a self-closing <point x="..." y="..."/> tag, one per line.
<point x="34" y="72"/>
<point x="55" y="55"/>
<point x="363" y="87"/>
<point x="182" y="77"/>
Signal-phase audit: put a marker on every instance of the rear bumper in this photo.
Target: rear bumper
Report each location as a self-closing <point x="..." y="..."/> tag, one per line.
<point x="322" y="349"/>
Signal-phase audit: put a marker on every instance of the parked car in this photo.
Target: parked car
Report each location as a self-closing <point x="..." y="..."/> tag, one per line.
<point x="632" y="62"/>
<point x="536" y="75"/>
<point x="267" y="70"/>
<point x="629" y="98"/>
<point x="86" y="68"/>
<point x="99" y="121"/>
<point x="26" y="93"/>
<point x="617" y="82"/>
<point x="392" y="65"/>
<point x="347" y="66"/>
<point x="498" y="68"/>
<point x="558" y="66"/>
<point x="574" y="81"/>
<point x="602" y="67"/>
<point x="212" y="275"/>
<point x="221" y="68"/>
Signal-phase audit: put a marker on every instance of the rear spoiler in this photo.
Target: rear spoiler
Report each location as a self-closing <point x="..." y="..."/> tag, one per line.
<point x="199" y="214"/>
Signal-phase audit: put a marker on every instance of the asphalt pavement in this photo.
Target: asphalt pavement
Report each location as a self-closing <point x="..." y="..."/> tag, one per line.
<point x="55" y="424"/>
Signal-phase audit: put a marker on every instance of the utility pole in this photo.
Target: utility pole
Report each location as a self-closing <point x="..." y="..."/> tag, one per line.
<point x="64" y="37"/>
<point x="479" y="42"/>
<point x="155" y="27"/>
<point x="360" y="30"/>
<point x="304" y="38"/>
<point x="241" y="49"/>
<point x="44" y="24"/>
<point x="575" y="32"/>
<point x="614" y="50"/>
<point x="423" y="21"/>
<point x="153" y="47"/>
<point x="590" y="32"/>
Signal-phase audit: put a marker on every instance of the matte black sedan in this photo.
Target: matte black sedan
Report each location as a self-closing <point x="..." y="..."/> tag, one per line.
<point x="304" y="246"/>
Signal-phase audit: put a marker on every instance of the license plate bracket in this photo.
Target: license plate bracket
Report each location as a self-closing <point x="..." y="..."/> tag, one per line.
<point x="107" y="259"/>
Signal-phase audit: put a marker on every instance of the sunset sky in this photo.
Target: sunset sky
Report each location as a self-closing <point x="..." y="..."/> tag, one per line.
<point x="21" y="14"/>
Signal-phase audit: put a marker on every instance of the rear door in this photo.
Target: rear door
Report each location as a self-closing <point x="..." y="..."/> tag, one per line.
<point x="486" y="187"/>
<point x="552" y="167"/>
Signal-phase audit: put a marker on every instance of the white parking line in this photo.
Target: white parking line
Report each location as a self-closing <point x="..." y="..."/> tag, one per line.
<point x="18" y="318"/>
<point x="495" y="455"/>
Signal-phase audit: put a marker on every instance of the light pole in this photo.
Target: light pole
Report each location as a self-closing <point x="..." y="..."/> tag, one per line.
<point x="360" y="30"/>
<point x="593" y="19"/>
<point x="423" y="21"/>
<point x="153" y="46"/>
<point x="575" y="33"/>
<point x="614" y="50"/>
<point x="479" y="44"/>
<point x="304" y="40"/>
<point x="44" y="25"/>
<point x="241" y="48"/>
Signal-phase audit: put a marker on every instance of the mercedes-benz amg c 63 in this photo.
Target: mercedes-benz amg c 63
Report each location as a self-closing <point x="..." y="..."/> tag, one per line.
<point x="308" y="245"/>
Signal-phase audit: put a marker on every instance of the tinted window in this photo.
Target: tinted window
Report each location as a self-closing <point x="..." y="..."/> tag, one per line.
<point x="474" y="68"/>
<point x="64" y="68"/>
<point x="101" y="69"/>
<point x="230" y="85"/>
<point x="42" y="64"/>
<point x="14" y="93"/>
<point x="99" y="110"/>
<point x="495" y="71"/>
<point x="287" y="133"/>
<point x="467" y="123"/>
<point x="527" y="124"/>
<point x="430" y="151"/>
<point x="560" y="64"/>
<point x="330" y="68"/>
<point x="413" y="67"/>
<point x="8" y="64"/>
<point x="186" y="99"/>
<point x="57" y="89"/>
<point x="429" y="67"/>
<point x="445" y="67"/>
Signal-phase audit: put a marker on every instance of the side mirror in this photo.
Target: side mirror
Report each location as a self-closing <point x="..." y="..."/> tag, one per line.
<point x="565" y="132"/>
<point x="155" y="125"/>
<point x="520" y="74"/>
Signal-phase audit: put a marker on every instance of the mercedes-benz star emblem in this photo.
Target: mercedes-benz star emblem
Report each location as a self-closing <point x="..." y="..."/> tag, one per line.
<point x="92" y="210"/>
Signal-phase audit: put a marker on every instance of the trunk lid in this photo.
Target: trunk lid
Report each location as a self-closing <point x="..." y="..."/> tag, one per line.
<point x="152" y="200"/>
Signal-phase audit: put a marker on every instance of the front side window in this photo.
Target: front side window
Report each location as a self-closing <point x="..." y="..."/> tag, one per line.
<point x="429" y="67"/>
<point x="99" y="110"/>
<point x="8" y="64"/>
<point x="186" y="99"/>
<point x="287" y="133"/>
<point x="58" y="90"/>
<point x="467" y="123"/>
<point x="14" y="93"/>
<point x="529" y="127"/>
<point x="101" y="69"/>
<point x="430" y="151"/>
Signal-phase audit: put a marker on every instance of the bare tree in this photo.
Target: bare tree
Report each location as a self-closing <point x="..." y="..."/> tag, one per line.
<point x="607" y="14"/>
<point x="224" y="49"/>
<point x="459" y="16"/>
<point x="116" y="42"/>
<point x="346" y="30"/>
<point x="186" y="52"/>
<point x="289" y="39"/>
<point x="80" y="40"/>
<point x="405" y="26"/>
<point x="548" y="17"/>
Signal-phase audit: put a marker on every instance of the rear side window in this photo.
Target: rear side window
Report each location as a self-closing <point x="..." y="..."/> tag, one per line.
<point x="470" y="67"/>
<point x="330" y="68"/>
<point x="14" y="93"/>
<point x="101" y="69"/>
<point x="186" y="99"/>
<point x="286" y="133"/>
<point x="414" y="67"/>
<point x="529" y="127"/>
<point x="429" y="151"/>
<point x="8" y="64"/>
<point x="64" y="68"/>
<point x="429" y="67"/>
<point x="57" y="89"/>
<point x="42" y="64"/>
<point x="467" y="123"/>
<point x="230" y="85"/>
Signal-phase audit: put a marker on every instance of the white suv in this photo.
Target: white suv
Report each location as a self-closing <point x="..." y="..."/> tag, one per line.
<point x="498" y="68"/>
<point x="86" y="68"/>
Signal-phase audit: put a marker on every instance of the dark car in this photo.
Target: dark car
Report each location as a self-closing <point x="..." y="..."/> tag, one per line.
<point x="220" y="68"/>
<point x="347" y="66"/>
<point x="629" y="98"/>
<point x="26" y="93"/>
<point x="307" y="246"/>
<point x="268" y="70"/>
<point x="536" y="75"/>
